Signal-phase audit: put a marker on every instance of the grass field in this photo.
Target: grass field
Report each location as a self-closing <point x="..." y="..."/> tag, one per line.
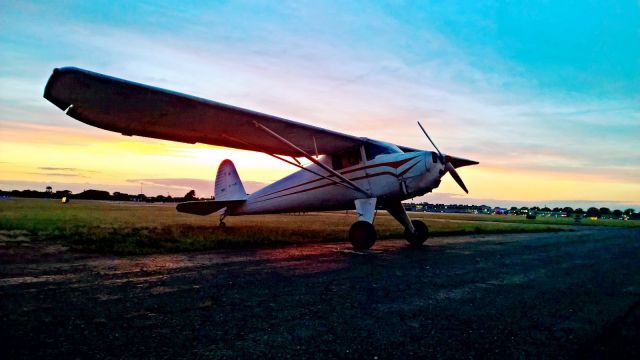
<point x="132" y="228"/>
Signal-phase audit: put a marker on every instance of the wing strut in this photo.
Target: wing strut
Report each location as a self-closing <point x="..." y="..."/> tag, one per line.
<point x="298" y="165"/>
<point x="315" y="146"/>
<point x="311" y="171"/>
<point x="310" y="158"/>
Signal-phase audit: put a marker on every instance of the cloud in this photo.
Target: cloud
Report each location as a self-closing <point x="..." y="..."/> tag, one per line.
<point x="57" y="168"/>
<point x="63" y="171"/>
<point x="58" y="174"/>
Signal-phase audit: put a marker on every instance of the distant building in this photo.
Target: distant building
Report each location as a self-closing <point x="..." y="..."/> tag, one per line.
<point x="555" y="214"/>
<point x="453" y="208"/>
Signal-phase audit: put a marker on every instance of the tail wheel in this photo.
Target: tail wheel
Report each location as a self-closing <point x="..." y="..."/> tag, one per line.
<point x="419" y="236"/>
<point x="362" y="235"/>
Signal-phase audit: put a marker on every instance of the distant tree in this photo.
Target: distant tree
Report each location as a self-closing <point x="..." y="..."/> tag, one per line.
<point x="593" y="212"/>
<point x="32" y="194"/>
<point x="605" y="211"/>
<point x="62" y="193"/>
<point x="545" y="209"/>
<point x="535" y="208"/>
<point x="49" y="190"/>
<point x="629" y="212"/>
<point x="191" y="195"/>
<point x="568" y="210"/>
<point x="578" y="211"/>
<point x="94" y="195"/>
<point x="513" y="208"/>
<point x="556" y="209"/>
<point x="617" y="213"/>
<point x="118" y="196"/>
<point x="141" y="197"/>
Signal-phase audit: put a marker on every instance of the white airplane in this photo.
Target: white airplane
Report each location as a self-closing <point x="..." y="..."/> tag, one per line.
<point x="346" y="171"/>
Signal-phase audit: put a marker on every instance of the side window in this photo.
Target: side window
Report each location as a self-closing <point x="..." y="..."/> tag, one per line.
<point x="346" y="159"/>
<point x="373" y="150"/>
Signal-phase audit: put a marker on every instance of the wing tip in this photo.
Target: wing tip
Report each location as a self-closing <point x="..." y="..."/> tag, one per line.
<point x="50" y="88"/>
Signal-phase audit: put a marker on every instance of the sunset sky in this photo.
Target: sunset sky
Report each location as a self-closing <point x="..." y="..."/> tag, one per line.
<point x="546" y="95"/>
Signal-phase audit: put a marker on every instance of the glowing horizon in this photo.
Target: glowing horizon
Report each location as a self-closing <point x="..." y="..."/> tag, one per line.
<point x="521" y="88"/>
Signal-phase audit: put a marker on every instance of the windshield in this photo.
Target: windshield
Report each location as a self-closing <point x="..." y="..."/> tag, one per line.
<point x="374" y="149"/>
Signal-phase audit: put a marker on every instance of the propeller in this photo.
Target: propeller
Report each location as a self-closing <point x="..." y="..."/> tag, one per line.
<point x="446" y="160"/>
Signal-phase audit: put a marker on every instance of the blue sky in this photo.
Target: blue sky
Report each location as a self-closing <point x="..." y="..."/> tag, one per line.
<point x="546" y="87"/>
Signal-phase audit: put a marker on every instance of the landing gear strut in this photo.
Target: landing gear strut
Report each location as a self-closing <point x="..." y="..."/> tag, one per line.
<point x="222" y="217"/>
<point x="415" y="231"/>
<point x="362" y="234"/>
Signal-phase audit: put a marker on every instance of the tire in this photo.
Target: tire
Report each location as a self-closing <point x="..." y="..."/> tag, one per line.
<point x="419" y="236"/>
<point x="362" y="235"/>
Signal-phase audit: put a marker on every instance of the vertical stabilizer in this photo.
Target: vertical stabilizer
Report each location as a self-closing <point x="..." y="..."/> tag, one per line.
<point x="228" y="185"/>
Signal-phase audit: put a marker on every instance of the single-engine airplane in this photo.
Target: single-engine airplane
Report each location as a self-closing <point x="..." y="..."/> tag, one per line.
<point x="345" y="171"/>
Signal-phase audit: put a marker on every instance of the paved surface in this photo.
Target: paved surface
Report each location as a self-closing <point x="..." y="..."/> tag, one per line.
<point x="559" y="295"/>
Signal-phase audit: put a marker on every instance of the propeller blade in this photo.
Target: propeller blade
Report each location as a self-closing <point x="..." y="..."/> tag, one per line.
<point x="432" y="143"/>
<point x="455" y="176"/>
<point x="447" y="162"/>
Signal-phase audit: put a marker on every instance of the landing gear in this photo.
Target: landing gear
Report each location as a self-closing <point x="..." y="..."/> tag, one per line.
<point x="415" y="231"/>
<point x="362" y="235"/>
<point x="419" y="235"/>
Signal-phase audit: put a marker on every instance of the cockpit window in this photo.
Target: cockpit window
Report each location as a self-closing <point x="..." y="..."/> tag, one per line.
<point x="375" y="149"/>
<point x="346" y="159"/>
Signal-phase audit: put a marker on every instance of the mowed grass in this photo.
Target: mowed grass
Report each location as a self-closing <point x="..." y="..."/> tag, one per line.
<point x="132" y="228"/>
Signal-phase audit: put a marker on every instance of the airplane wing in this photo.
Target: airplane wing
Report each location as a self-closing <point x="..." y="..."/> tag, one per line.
<point x="135" y="109"/>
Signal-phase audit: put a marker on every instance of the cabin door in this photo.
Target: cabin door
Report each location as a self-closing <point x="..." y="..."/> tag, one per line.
<point x="365" y="183"/>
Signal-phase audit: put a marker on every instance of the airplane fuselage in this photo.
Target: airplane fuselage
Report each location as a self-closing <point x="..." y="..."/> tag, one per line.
<point x="387" y="177"/>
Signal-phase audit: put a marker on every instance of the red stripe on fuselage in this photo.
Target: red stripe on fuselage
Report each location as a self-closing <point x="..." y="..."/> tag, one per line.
<point x="393" y="164"/>
<point x="329" y="184"/>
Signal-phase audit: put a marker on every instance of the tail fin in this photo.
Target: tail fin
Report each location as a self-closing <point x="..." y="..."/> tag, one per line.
<point x="228" y="192"/>
<point x="228" y="185"/>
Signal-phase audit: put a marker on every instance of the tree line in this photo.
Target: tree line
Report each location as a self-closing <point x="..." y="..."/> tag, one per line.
<point x="92" y="194"/>
<point x="590" y="212"/>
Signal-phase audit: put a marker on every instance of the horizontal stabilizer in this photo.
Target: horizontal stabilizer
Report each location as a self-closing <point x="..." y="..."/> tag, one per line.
<point x="206" y="207"/>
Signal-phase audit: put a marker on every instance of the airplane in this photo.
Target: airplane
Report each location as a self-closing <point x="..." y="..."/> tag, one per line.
<point x="345" y="172"/>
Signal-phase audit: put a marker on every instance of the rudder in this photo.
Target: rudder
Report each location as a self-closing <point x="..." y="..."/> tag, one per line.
<point x="228" y="186"/>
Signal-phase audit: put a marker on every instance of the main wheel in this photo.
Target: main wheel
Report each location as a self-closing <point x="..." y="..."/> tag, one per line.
<point x="362" y="235"/>
<point x="420" y="235"/>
